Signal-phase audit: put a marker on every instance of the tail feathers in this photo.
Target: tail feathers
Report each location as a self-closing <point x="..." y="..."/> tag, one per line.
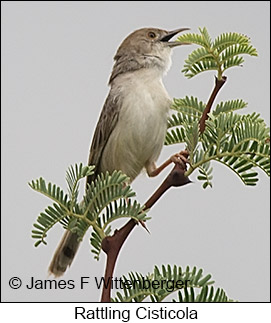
<point x="64" y="254"/>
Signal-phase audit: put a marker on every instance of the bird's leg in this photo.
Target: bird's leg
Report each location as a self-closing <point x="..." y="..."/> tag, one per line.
<point x="179" y="158"/>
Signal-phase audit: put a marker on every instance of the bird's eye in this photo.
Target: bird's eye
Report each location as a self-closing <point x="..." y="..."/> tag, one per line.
<point x="151" y="34"/>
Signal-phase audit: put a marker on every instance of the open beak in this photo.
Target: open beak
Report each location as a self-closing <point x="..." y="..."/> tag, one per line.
<point x="171" y="34"/>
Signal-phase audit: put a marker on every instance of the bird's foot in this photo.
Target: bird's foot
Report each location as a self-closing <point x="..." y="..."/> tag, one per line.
<point x="181" y="158"/>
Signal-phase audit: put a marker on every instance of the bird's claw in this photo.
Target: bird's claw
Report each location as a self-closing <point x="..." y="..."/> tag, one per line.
<point x="181" y="158"/>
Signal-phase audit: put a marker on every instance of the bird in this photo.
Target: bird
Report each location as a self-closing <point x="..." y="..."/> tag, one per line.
<point x="131" y="129"/>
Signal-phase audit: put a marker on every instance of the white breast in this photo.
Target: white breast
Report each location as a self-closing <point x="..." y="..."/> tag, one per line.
<point x="139" y="134"/>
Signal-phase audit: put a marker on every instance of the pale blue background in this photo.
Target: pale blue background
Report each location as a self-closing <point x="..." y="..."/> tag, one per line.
<point x="56" y="61"/>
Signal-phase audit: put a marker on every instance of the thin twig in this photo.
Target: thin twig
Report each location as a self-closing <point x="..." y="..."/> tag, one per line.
<point x="218" y="85"/>
<point x="111" y="245"/>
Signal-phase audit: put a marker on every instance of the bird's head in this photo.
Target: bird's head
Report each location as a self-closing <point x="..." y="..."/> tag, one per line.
<point x="146" y="47"/>
<point x="150" y="40"/>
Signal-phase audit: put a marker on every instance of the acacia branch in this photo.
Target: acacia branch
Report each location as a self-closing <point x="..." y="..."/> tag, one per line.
<point x="111" y="245"/>
<point x="218" y="85"/>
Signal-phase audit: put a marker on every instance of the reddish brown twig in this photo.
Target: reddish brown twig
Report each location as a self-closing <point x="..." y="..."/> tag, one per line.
<point x="204" y="117"/>
<point x="111" y="245"/>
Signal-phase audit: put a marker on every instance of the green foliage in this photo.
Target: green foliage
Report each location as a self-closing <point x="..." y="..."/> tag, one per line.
<point x="229" y="106"/>
<point x="73" y="176"/>
<point x="52" y="214"/>
<point x="106" y="199"/>
<point x="155" y="287"/>
<point x="189" y="105"/>
<point x="206" y="295"/>
<point x="219" y="55"/>
<point x="240" y="142"/>
<point x="180" y="124"/>
<point x="205" y="172"/>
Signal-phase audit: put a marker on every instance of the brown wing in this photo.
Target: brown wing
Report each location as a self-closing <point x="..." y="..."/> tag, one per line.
<point x="104" y="127"/>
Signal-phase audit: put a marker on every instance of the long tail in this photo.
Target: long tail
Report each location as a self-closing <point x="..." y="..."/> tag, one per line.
<point x="64" y="254"/>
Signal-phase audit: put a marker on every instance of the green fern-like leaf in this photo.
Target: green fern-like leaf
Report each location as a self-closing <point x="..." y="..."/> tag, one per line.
<point x="175" y="136"/>
<point x="240" y="145"/>
<point x="192" y="138"/>
<point x="226" y="40"/>
<point x="221" y="54"/>
<point x="115" y="210"/>
<point x="191" y="70"/>
<point x="51" y="191"/>
<point x="105" y="189"/>
<point x="189" y="111"/>
<point x="189" y="106"/>
<point x="208" y="294"/>
<point x="121" y="209"/>
<point x="163" y="282"/>
<point x="240" y="142"/>
<point x="206" y="37"/>
<point x="234" y="50"/>
<point x="244" y="164"/>
<point x="96" y="243"/>
<point x="46" y="220"/>
<point x="231" y="62"/>
<point x="229" y="106"/>
<point x="198" y="55"/>
<point x="205" y="172"/>
<point x="193" y="38"/>
<point x="62" y="210"/>
<point x="107" y="198"/>
<point x="73" y="176"/>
